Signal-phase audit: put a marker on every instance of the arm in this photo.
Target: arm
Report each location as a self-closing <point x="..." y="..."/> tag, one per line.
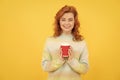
<point x="49" y="64"/>
<point x="81" y="65"/>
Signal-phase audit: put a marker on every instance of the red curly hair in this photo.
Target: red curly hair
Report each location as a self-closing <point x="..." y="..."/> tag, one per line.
<point x="75" y="31"/>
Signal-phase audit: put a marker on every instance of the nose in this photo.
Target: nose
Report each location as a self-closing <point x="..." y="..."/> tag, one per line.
<point x="66" y="22"/>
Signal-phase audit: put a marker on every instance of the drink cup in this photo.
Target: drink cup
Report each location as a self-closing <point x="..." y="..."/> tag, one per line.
<point x="65" y="47"/>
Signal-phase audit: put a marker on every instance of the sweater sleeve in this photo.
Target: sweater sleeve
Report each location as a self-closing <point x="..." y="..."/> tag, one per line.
<point x="80" y="65"/>
<point x="49" y="64"/>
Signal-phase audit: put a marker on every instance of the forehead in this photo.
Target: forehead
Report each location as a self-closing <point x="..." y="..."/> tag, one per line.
<point x="68" y="15"/>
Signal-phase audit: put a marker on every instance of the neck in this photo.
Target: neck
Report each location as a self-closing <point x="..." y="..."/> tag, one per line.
<point x="66" y="33"/>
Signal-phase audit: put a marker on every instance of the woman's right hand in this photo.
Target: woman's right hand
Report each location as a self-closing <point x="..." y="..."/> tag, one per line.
<point x="60" y="54"/>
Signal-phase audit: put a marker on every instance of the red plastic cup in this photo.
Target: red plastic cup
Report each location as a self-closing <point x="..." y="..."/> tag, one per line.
<point x="65" y="48"/>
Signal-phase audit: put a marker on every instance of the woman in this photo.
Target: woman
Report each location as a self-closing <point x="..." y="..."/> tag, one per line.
<point x="66" y="31"/>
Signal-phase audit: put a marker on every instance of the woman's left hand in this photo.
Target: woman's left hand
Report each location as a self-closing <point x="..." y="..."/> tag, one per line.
<point x="70" y="53"/>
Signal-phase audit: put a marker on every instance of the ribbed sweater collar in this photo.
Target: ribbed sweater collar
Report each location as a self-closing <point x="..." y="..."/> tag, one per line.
<point x="66" y="36"/>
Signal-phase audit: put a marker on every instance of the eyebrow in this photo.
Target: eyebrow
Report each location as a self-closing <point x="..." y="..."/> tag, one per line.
<point x="68" y="18"/>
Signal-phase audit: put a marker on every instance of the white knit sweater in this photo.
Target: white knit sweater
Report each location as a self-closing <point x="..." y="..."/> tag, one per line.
<point x="60" y="70"/>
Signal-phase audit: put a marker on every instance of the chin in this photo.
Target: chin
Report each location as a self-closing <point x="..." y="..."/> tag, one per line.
<point x="67" y="31"/>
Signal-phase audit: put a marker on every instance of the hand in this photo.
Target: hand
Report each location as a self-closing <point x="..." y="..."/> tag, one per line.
<point x="60" y="55"/>
<point x="70" y="53"/>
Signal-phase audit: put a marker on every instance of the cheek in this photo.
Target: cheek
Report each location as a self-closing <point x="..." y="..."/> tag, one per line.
<point x="61" y="23"/>
<point x="72" y="23"/>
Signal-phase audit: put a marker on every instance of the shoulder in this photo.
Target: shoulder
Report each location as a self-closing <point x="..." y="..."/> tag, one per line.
<point x="83" y="43"/>
<point x="50" y="41"/>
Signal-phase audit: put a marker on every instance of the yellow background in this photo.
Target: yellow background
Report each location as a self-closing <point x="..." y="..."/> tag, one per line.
<point x="25" y="24"/>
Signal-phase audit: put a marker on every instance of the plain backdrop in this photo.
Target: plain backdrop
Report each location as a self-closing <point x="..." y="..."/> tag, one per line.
<point x="25" y="25"/>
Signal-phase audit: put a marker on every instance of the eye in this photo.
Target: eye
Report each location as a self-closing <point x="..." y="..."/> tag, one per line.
<point x="63" y="19"/>
<point x="70" y="19"/>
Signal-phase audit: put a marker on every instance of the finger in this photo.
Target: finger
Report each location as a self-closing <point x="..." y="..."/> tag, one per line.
<point x="71" y="48"/>
<point x="61" y="53"/>
<point x="69" y="52"/>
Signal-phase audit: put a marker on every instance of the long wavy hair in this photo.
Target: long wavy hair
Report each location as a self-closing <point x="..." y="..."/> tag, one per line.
<point x="75" y="32"/>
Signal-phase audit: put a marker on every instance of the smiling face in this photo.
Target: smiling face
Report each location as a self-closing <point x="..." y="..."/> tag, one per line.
<point x="67" y="22"/>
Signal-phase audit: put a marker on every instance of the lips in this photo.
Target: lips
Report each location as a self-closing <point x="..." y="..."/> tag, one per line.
<point x="66" y="27"/>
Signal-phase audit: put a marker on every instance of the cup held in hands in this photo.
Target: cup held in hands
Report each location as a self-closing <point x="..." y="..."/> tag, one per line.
<point x="65" y="47"/>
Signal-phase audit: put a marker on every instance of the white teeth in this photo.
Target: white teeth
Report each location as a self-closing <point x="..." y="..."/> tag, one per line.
<point x="66" y="26"/>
